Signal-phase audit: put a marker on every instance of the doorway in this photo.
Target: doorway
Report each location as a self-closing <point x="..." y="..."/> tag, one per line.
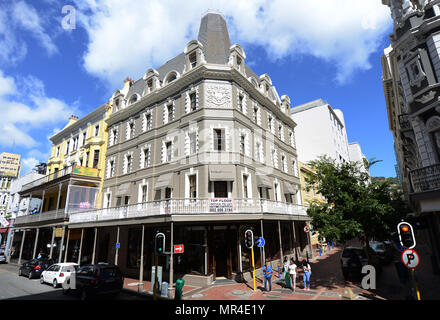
<point x="222" y="245"/>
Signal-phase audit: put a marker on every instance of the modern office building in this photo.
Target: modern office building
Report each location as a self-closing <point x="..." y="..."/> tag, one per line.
<point x="356" y="155"/>
<point x="320" y="131"/>
<point x="411" y="73"/>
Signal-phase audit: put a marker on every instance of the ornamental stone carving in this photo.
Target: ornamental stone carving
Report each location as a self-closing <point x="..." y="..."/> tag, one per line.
<point x="218" y="95"/>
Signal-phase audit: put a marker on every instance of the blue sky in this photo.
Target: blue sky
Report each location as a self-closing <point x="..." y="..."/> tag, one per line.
<point x="48" y="73"/>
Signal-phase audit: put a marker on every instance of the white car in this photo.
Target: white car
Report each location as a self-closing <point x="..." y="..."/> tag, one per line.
<point x="57" y="273"/>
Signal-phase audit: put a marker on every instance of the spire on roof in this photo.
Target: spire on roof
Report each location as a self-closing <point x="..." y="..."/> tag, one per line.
<point x="214" y="36"/>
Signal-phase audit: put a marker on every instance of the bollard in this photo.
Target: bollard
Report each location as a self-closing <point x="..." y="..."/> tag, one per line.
<point x="179" y="289"/>
<point x="329" y="248"/>
<point x="320" y="252"/>
<point x="164" y="292"/>
<point x="279" y="271"/>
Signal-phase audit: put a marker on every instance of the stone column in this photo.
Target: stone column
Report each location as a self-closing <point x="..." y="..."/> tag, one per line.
<point x="281" y="243"/>
<point x="61" y="246"/>
<point x="42" y="201"/>
<point x="35" y="243"/>
<point x="9" y="246"/>
<point x="51" y="242"/>
<point x="59" y="197"/>
<point x="21" y="246"/>
<point x="141" y="268"/>
<point x="67" y="246"/>
<point x="80" y="246"/>
<point x="263" y="256"/>
<point x="94" y="247"/>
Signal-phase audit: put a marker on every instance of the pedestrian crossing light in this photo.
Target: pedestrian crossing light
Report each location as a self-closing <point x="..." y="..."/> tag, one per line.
<point x="406" y="235"/>
<point x="249" y="238"/>
<point x="159" y="243"/>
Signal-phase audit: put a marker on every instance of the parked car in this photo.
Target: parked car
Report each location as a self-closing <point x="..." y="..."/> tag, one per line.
<point x="383" y="251"/>
<point x="354" y="258"/>
<point x="2" y="256"/>
<point x="94" y="280"/>
<point x="33" y="268"/>
<point x="57" y="273"/>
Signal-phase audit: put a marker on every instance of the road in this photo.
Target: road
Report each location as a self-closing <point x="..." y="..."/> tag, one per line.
<point x="13" y="287"/>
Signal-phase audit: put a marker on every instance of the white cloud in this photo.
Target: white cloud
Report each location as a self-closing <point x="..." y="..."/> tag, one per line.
<point x="15" y="19"/>
<point x="27" y="164"/>
<point x="28" y="110"/>
<point x="128" y="37"/>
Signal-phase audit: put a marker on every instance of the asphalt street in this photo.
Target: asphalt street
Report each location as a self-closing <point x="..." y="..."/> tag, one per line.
<point x="13" y="287"/>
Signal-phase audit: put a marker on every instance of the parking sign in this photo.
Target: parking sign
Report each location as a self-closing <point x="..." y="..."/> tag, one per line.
<point x="410" y="258"/>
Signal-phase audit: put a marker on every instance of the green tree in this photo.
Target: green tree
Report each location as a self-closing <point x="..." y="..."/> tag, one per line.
<point x="355" y="206"/>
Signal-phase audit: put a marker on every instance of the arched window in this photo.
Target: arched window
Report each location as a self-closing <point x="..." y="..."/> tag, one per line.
<point x="133" y="99"/>
<point x="171" y="77"/>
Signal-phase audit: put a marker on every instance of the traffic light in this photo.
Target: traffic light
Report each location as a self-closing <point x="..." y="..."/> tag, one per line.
<point x="159" y="243"/>
<point x="406" y="235"/>
<point x="249" y="238"/>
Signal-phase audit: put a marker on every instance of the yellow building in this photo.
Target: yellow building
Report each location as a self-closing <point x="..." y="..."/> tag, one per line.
<point x="310" y="195"/>
<point x="82" y="145"/>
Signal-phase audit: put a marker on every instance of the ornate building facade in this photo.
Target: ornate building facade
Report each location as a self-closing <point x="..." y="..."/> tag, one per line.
<point x="411" y="81"/>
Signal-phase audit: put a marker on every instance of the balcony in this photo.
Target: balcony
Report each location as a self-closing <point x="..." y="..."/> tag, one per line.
<point x="426" y="178"/>
<point x="188" y="207"/>
<point x="40" y="217"/>
<point x="72" y="170"/>
<point x="404" y="122"/>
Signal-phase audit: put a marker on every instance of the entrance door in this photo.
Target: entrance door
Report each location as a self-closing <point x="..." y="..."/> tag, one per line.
<point x="222" y="244"/>
<point x="220" y="189"/>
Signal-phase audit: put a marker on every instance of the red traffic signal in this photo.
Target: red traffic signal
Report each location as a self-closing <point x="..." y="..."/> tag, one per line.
<point x="249" y="238"/>
<point x="406" y="235"/>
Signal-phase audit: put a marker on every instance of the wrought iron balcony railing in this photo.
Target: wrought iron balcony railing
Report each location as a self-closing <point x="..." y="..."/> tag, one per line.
<point x="188" y="207"/>
<point x="426" y="178"/>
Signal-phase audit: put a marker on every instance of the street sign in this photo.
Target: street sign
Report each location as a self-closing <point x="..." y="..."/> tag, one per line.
<point x="410" y="258"/>
<point x="118" y="245"/>
<point x="260" y="242"/>
<point x="178" y="248"/>
<point x="306" y="229"/>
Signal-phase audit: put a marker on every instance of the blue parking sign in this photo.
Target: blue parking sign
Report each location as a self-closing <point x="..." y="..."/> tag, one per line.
<point x="118" y="245"/>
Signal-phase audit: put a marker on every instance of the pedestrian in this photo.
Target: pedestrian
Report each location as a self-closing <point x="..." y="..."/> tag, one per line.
<point x="267" y="272"/>
<point x="307" y="273"/>
<point x="292" y="273"/>
<point x="286" y="264"/>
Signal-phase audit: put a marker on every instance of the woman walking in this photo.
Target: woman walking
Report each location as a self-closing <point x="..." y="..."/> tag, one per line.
<point x="306" y="276"/>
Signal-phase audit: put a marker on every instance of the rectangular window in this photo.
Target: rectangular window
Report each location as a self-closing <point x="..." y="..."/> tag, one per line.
<point x="242" y="144"/>
<point x="168" y="146"/>
<point x="111" y="168"/>
<point x="150" y="85"/>
<point x="131" y="129"/>
<point x="84" y="137"/>
<point x="128" y="162"/>
<point x="240" y="103"/>
<point x="193" y="101"/>
<point x="192" y="143"/>
<point x="97" y="130"/>
<point x="144" y="193"/>
<point x="255" y="114"/>
<point x="193" y="186"/>
<point x="219" y="140"/>
<point x="193" y="59"/>
<point x="67" y="147"/>
<point x="148" y="120"/>
<point x="115" y="136"/>
<point x="96" y="159"/>
<point x="245" y="187"/>
<point x="146" y="157"/>
<point x="170" y="112"/>
<point x="58" y="151"/>
<point x="269" y="123"/>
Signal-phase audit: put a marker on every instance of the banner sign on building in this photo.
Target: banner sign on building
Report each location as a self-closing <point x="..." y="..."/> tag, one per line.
<point x="3" y="221"/>
<point x="58" y="232"/>
<point x="85" y="171"/>
<point x="221" y="205"/>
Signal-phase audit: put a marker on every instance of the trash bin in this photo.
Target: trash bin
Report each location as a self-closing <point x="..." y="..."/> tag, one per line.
<point x="179" y="289"/>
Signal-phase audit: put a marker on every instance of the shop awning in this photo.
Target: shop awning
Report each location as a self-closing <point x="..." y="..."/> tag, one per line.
<point x="288" y="188"/>
<point x="263" y="182"/>
<point x="164" y="181"/>
<point x="122" y="189"/>
<point x="225" y="172"/>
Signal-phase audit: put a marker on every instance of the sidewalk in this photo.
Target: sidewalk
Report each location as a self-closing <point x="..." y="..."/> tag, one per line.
<point x="327" y="283"/>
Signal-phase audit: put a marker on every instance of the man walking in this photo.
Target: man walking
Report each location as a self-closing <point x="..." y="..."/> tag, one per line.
<point x="267" y="272"/>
